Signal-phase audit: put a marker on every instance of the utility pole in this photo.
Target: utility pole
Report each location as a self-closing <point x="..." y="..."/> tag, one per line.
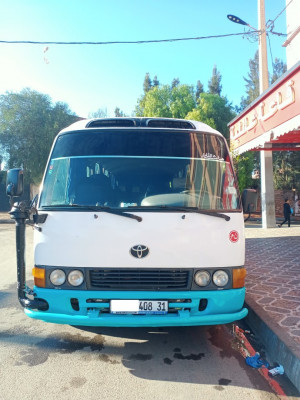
<point x="266" y="157"/>
<point x="263" y="57"/>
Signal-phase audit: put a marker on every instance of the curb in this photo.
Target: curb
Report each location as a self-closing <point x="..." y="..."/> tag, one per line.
<point x="246" y="349"/>
<point x="279" y="346"/>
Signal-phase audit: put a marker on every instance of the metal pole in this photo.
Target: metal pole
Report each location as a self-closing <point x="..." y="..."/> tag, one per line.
<point x="266" y="157"/>
<point x="20" y="214"/>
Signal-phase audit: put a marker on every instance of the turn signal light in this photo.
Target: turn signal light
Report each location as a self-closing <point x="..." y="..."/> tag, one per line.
<point x="39" y="275"/>
<point x="238" y="279"/>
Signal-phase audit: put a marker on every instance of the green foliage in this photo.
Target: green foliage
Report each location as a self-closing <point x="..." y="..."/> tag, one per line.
<point x="100" y="113"/>
<point x="286" y="166"/>
<point x="175" y="82"/>
<point x="155" y="103"/>
<point x="243" y="165"/>
<point x="252" y="82"/>
<point x="155" y="81"/>
<point x="28" y="124"/>
<point x="279" y="68"/>
<point x="214" y="111"/>
<point x="147" y="83"/>
<point x="214" y="84"/>
<point x="286" y="170"/>
<point x="167" y="102"/>
<point x="119" y="112"/>
<point x="181" y="101"/>
<point x="199" y="89"/>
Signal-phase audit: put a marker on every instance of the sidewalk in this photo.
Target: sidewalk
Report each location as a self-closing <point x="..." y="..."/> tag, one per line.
<point x="273" y="292"/>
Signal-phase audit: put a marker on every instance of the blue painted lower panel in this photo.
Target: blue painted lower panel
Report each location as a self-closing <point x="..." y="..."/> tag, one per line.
<point x="223" y="306"/>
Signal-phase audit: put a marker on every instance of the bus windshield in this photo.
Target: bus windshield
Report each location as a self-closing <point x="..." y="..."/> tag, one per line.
<point x="140" y="169"/>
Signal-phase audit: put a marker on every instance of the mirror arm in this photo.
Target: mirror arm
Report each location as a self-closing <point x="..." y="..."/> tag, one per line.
<point x="20" y="213"/>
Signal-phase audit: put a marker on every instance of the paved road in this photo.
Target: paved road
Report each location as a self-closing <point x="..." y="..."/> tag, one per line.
<point x="48" y="361"/>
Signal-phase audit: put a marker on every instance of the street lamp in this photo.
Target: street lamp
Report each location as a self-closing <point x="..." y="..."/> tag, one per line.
<point x="263" y="62"/>
<point x="238" y="20"/>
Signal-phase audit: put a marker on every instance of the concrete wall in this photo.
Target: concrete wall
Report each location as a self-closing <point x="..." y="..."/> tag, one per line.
<point x="280" y="196"/>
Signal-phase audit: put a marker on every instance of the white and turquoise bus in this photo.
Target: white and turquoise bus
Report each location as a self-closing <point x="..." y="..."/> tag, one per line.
<point x="138" y="223"/>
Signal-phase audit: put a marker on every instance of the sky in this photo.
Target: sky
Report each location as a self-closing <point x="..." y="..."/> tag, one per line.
<point x="108" y="76"/>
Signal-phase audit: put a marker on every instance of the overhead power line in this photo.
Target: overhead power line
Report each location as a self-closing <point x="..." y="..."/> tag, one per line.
<point x="278" y="15"/>
<point x="128" y="42"/>
<point x="270" y="23"/>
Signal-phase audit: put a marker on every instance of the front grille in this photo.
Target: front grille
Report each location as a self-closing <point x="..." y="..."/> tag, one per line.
<point x="139" y="279"/>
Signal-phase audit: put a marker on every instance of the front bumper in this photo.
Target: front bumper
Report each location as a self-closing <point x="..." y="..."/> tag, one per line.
<point x="223" y="306"/>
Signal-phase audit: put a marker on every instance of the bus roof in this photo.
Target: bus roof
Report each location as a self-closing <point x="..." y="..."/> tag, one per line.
<point x="143" y="122"/>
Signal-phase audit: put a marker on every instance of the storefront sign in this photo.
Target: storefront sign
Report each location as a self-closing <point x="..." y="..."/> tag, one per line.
<point x="280" y="103"/>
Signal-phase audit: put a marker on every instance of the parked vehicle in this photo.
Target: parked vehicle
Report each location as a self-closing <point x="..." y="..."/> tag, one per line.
<point x="138" y="223"/>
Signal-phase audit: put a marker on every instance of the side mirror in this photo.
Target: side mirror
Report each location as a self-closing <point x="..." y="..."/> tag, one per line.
<point x="249" y="200"/>
<point x="14" y="182"/>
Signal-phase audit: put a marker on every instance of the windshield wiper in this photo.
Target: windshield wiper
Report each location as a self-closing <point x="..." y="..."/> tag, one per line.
<point x="98" y="208"/>
<point x="190" y="210"/>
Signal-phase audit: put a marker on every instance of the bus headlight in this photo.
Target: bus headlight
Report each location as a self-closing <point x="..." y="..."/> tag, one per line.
<point x="220" y="278"/>
<point x="202" y="278"/>
<point x="57" y="277"/>
<point x="75" y="278"/>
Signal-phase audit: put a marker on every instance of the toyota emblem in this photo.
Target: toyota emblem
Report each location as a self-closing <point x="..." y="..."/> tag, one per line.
<point x="139" y="251"/>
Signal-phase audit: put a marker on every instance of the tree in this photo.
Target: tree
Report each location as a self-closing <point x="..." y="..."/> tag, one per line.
<point x="199" y="90"/>
<point x="155" y="81"/>
<point x="100" y="113"/>
<point x="167" y="102"/>
<point x="147" y="83"/>
<point x="252" y="82"/>
<point x="182" y="101"/>
<point x="155" y="103"/>
<point x="286" y="169"/>
<point x="28" y="124"/>
<point x="175" y="82"/>
<point x="119" y="113"/>
<point x="214" y="111"/>
<point x="214" y="84"/>
<point x="244" y="166"/>
<point x="249" y="161"/>
<point x="282" y="176"/>
<point x="279" y="68"/>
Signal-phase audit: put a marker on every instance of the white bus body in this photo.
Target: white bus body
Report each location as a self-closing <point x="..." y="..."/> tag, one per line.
<point x="139" y="224"/>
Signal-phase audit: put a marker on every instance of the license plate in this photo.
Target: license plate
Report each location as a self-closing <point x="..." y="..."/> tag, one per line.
<point x="138" y="306"/>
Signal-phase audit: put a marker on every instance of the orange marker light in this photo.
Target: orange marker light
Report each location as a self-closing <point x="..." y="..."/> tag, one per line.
<point x="39" y="275"/>
<point x="238" y="280"/>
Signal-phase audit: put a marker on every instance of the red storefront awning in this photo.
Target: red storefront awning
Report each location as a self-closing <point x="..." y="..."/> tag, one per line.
<point x="272" y="121"/>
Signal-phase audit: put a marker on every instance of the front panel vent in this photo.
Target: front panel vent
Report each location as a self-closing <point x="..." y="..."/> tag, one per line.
<point x="111" y="123"/>
<point x="166" y="123"/>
